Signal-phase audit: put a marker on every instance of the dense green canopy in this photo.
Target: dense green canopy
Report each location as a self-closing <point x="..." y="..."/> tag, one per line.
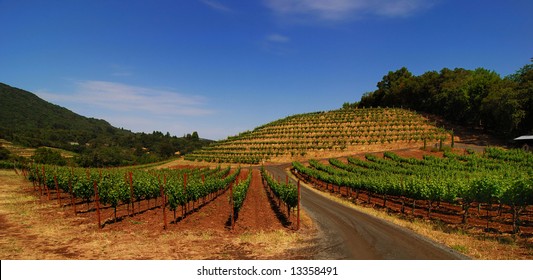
<point x="503" y="106"/>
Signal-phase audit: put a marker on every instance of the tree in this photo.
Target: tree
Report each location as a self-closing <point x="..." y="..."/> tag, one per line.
<point x="477" y="97"/>
<point x="479" y="87"/>
<point x="452" y="99"/>
<point x="105" y="156"/>
<point x="4" y="153"/>
<point x="166" y="149"/>
<point x="502" y="110"/>
<point x="393" y="90"/>
<point x="424" y="88"/>
<point x="525" y="93"/>
<point x="523" y="74"/>
<point x="48" y="156"/>
<point x="195" y="136"/>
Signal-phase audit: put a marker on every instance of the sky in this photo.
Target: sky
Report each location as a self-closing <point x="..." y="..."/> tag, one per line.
<point x="220" y="67"/>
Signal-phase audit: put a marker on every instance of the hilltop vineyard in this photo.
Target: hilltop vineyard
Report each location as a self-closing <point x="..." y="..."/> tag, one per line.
<point x="338" y="131"/>
<point x="496" y="186"/>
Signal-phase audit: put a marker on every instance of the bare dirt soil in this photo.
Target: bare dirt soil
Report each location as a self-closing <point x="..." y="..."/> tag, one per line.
<point x="471" y="137"/>
<point x="33" y="227"/>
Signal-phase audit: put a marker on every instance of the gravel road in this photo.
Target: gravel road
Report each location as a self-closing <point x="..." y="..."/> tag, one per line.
<point x="350" y="234"/>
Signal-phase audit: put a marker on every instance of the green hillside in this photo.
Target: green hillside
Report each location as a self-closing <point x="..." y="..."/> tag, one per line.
<point x="324" y="134"/>
<point x="29" y="121"/>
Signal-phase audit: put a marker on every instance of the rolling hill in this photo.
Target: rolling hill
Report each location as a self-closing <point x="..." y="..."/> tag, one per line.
<point x="324" y="134"/>
<point x="29" y="121"/>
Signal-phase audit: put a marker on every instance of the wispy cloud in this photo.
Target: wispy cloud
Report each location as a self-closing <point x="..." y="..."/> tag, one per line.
<point x="401" y="8"/>
<point x="215" y="5"/>
<point x="277" y="38"/>
<point x="276" y="44"/>
<point x="133" y="99"/>
<point x="342" y="10"/>
<point x="120" y="71"/>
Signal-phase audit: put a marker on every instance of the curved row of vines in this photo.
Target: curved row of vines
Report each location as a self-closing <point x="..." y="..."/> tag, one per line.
<point x="239" y="193"/>
<point x="337" y="130"/>
<point x="497" y="180"/>
<point x="284" y="192"/>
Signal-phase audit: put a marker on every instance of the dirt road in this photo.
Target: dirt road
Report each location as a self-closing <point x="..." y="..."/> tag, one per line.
<point x="351" y="234"/>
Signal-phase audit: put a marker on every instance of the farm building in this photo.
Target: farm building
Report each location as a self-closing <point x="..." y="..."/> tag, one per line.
<point x="525" y="142"/>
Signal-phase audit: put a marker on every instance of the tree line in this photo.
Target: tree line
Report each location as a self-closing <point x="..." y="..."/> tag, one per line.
<point x="480" y="97"/>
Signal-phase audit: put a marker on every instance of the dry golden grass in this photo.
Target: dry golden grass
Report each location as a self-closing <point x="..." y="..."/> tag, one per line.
<point x="34" y="228"/>
<point x="276" y="242"/>
<point x="472" y="243"/>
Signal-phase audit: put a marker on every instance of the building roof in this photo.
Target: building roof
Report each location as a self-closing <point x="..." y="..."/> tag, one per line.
<point x="524" y="137"/>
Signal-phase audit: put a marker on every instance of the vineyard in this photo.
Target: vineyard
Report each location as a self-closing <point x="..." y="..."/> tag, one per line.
<point x="496" y="188"/>
<point x="283" y="193"/>
<point x="173" y="193"/>
<point x="313" y="134"/>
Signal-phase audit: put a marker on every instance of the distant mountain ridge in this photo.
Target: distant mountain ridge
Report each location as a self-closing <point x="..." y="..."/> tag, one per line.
<point x="25" y="118"/>
<point x="30" y="121"/>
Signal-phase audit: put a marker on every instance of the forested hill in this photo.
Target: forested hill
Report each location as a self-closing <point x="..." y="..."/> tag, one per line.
<point x="28" y="120"/>
<point x="481" y="98"/>
<point x="31" y="121"/>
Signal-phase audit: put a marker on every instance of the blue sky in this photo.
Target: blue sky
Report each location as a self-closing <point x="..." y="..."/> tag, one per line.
<point x="220" y="67"/>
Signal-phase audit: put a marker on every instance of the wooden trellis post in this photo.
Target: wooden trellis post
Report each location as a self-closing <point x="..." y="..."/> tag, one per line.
<point x="97" y="204"/>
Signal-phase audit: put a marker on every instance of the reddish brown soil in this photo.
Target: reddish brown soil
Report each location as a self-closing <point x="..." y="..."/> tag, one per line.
<point x="213" y="214"/>
<point x="52" y="232"/>
<point x="468" y="137"/>
<point x="257" y="214"/>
